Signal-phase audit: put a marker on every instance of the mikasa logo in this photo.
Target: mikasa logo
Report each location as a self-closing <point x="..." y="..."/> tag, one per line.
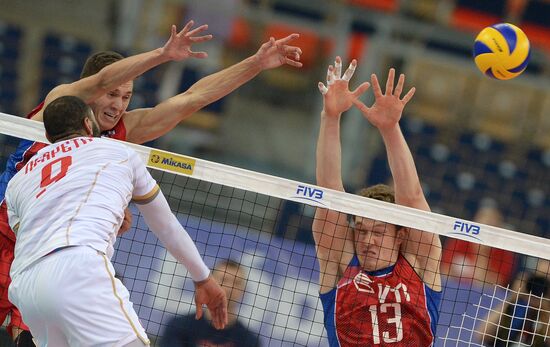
<point x="171" y="162"/>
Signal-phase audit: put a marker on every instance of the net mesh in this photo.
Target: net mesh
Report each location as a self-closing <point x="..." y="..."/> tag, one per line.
<point x="491" y="297"/>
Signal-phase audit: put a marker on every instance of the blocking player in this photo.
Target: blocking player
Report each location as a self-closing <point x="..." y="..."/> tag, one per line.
<point x="146" y="124"/>
<point x="379" y="283"/>
<point x="65" y="206"/>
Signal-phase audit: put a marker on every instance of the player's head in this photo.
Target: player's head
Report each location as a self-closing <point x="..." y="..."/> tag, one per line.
<point x="69" y="116"/>
<point x="377" y="243"/>
<point x="98" y="61"/>
<point x="110" y="107"/>
<point x="231" y="277"/>
<point x="489" y="215"/>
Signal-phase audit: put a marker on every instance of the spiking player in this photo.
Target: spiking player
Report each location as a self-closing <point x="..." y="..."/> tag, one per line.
<point x="380" y="283"/>
<point x="106" y="85"/>
<point x="65" y="205"/>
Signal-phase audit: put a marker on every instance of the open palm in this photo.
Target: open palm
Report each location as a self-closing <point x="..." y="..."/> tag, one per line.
<point x="178" y="46"/>
<point x="388" y="107"/>
<point x="337" y="97"/>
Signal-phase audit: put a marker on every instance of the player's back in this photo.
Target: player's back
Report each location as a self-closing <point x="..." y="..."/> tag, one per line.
<point x="70" y="193"/>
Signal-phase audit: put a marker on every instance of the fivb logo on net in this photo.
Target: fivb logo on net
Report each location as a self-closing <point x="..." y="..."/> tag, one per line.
<point x="309" y="193"/>
<point x="466" y="228"/>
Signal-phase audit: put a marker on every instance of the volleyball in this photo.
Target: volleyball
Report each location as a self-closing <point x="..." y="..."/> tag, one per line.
<point x="502" y="51"/>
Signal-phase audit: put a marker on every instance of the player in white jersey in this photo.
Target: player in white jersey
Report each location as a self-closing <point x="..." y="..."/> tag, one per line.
<point x="66" y="206"/>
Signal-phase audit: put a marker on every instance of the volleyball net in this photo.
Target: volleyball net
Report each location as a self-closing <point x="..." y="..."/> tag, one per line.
<point x="264" y="224"/>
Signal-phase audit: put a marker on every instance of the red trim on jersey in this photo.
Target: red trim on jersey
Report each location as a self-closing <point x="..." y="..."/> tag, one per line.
<point x="35" y="110"/>
<point x="5" y="227"/>
<point x="118" y="132"/>
<point x="29" y="153"/>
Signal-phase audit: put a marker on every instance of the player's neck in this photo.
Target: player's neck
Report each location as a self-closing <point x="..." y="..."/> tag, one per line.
<point x="69" y="136"/>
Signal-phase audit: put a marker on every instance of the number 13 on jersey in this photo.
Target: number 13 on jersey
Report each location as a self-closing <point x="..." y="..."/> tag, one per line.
<point x="395" y="320"/>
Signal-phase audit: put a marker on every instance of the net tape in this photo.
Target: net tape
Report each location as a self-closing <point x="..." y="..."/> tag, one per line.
<point x="312" y="195"/>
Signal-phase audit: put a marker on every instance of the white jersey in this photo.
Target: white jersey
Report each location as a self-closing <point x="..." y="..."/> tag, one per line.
<point x="74" y="193"/>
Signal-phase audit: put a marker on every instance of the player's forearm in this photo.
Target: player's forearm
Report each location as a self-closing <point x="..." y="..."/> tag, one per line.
<point x="408" y="190"/>
<point x="169" y="231"/>
<point x="125" y="70"/>
<point x="329" y="153"/>
<point x="213" y="87"/>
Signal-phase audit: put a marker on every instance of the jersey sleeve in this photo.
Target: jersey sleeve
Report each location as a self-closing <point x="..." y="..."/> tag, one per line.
<point x="13" y="218"/>
<point x="145" y="186"/>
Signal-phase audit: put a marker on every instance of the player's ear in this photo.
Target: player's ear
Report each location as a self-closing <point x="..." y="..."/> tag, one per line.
<point x="48" y="137"/>
<point x="88" y="126"/>
<point x="402" y="233"/>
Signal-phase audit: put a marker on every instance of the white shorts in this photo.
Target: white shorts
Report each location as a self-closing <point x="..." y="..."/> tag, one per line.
<point x="71" y="298"/>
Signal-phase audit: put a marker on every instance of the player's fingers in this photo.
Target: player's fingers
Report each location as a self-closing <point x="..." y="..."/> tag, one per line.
<point x="201" y="38"/>
<point x="198" y="314"/>
<point x="338" y="67"/>
<point x="408" y="96"/>
<point x="375" y="86"/>
<point x="187" y="27"/>
<point x="389" y="82"/>
<point x="198" y="55"/>
<point x="287" y="39"/>
<point x="198" y="30"/>
<point x="291" y="62"/>
<point x="322" y="88"/>
<point x="361" y="89"/>
<point x="291" y="50"/>
<point x="361" y="106"/>
<point x="399" y="87"/>
<point x="330" y="75"/>
<point x="350" y="70"/>
<point x="173" y="31"/>
<point x="224" y="314"/>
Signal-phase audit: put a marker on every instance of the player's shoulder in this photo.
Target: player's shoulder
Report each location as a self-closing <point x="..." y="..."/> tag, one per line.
<point x="110" y="144"/>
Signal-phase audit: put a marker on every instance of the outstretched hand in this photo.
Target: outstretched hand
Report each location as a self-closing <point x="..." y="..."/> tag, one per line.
<point x="178" y="46"/>
<point x="388" y="107"/>
<point x="209" y="293"/>
<point x="337" y="97"/>
<point x="275" y="53"/>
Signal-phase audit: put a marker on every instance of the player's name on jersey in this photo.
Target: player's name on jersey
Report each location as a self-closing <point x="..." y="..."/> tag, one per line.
<point x="171" y="162"/>
<point x="63" y="147"/>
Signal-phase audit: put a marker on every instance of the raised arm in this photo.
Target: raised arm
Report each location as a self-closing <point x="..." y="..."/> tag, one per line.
<point x="422" y="249"/>
<point x="330" y="228"/>
<point x="148" y="124"/>
<point x="178" y="47"/>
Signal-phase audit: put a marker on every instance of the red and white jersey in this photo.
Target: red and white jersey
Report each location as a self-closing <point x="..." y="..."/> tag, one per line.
<point x="71" y="193"/>
<point x="387" y="307"/>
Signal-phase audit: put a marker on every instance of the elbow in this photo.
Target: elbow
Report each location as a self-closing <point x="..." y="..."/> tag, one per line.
<point x="195" y="99"/>
<point x="189" y="103"/>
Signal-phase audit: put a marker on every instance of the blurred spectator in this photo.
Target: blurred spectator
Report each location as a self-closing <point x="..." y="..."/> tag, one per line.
<point x="522" y="319"/>
<point x="471" y="261"/>
<point x="187" y="331"/>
